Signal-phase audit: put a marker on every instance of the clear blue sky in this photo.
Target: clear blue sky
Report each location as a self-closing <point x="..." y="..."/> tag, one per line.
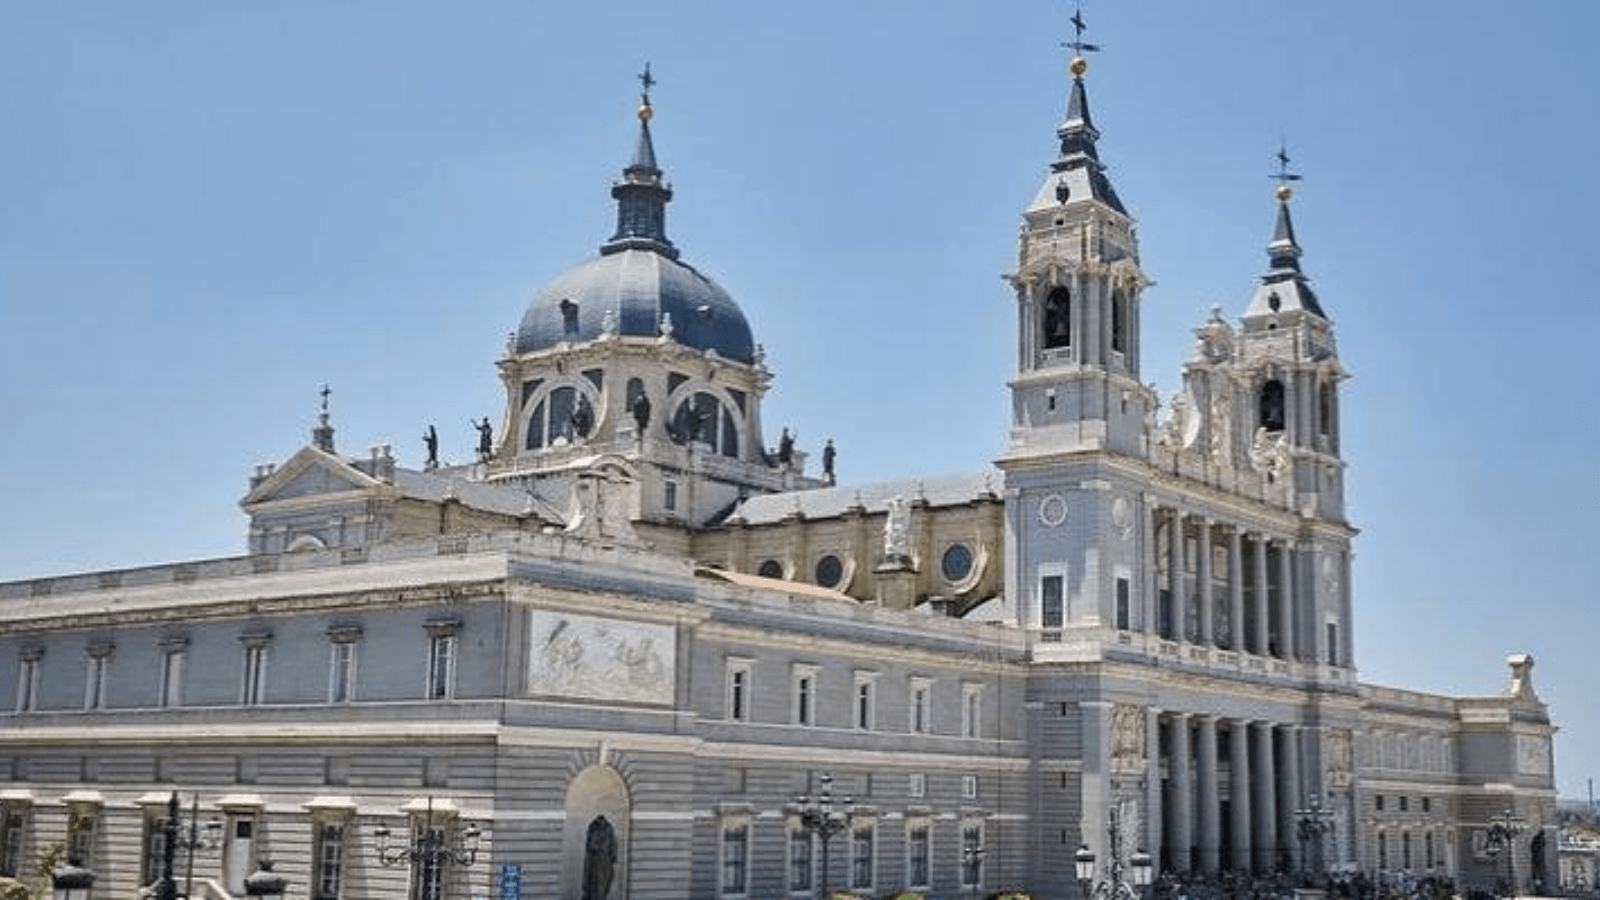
<point x="209" y="209"/>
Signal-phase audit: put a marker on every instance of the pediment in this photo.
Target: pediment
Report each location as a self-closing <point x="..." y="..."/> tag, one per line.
<point x="309" y="473"/>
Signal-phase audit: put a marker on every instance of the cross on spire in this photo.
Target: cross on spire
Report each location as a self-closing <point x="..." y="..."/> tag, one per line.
<point x="325" y="392"/>
<point x="1283" y="175"/>
<point x="646" y="81"/>
<point x="1077" y="44"/>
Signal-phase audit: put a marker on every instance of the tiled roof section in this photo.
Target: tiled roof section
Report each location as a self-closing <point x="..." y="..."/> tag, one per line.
<point x="826" y="503"/>
<point x="507" y="500"/>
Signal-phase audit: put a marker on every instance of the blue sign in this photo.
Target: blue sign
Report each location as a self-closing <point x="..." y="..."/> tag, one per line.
<point x="510" y="882"/>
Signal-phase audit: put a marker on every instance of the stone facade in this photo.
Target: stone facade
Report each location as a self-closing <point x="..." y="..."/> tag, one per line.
<point x="633" y="643"/>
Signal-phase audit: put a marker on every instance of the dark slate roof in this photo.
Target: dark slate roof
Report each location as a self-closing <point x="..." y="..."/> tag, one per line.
<point x="507" y="500"/>
<point x="637" y="287"/>
<point x="826" y="503"/>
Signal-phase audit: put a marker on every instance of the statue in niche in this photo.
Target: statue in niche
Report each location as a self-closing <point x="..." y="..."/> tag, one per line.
<point x="599" y="859"/>
<point x="897" y="530"/>
<point x="1127" y="735"/>
<point x="582" y="417"/>
<point x="641" y="411"/>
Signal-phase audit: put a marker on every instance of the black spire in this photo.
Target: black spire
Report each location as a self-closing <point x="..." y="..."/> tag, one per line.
<point x="1283" y="253"/>
<point x="1077" y="132"/>
<point x="641" y="196"/>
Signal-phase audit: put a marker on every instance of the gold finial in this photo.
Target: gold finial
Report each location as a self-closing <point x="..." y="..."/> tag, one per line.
<point x="645" y="112"/>
<point x="1078" y="66"/>
<point x="1283" y="192"/>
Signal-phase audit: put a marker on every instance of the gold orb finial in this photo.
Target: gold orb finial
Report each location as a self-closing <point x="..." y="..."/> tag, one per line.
<point x="645" y="112"/>
<point x="1078" y="66"/>
<point x="1283" y="193"/>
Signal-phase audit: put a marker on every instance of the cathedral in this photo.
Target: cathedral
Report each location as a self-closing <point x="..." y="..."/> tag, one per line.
<point x="640" y="649"/>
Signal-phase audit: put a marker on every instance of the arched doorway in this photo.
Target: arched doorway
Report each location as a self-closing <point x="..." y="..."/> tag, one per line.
<point x="594" y="846"/>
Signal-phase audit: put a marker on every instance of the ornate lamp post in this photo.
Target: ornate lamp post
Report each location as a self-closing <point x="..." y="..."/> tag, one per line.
<point x="972" y="866"/>
<point x="1312" y="821"/>
<point x="820" y="817"/>
<point x="188" y="837"/>
<point x="1502" y="838"/>
<point x="431" y="850"/>
<point x="1121" y="883"/>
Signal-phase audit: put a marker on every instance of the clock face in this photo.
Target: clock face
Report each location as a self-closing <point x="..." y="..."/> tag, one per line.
<point x="1053" y="510"/>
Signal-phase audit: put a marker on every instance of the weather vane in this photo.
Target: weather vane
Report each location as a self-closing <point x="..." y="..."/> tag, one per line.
<point x="647" y="81"/>
<point x="1283" y="175"/>
<point x="1077" y="44"/>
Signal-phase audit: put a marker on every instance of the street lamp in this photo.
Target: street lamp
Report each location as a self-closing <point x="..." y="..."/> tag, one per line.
<point x="1312" y="821"/>
<point x="187" y="836"/>
<point x="972" y="865"/>
<point x="1502" y="836"/>
<point x="818" y="816"/>
<point x="1121" y="883"/>
<point x="430" y="852"/>
<point x="264" y="882"/>
<point x="71" y="882"/>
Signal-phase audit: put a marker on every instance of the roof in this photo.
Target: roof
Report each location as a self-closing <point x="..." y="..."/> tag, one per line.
<point x="825" y="503"/>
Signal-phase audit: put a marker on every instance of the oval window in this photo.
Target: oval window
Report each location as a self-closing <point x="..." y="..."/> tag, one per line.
<point x="770" y="569"/>
<point x="829" y="571"/>
<point x="957" y="562"/>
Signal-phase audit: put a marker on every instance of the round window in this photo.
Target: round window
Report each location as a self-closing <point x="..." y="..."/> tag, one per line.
<point x="829" y="571"/>
<point x="957" y="562"/>
<point x="771" y="569"/>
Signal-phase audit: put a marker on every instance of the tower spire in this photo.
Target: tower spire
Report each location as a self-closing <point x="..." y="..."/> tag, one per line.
<point x="1285" y="286"/>
<point x="1078" y="155"/>
<point x="641" y="195"/>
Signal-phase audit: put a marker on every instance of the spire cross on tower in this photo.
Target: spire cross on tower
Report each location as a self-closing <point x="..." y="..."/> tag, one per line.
<point x="647" y="81"/>
<point x="325" y="392"/>
<point x="1283" y="175"/>
<point x="1077" y="44"/>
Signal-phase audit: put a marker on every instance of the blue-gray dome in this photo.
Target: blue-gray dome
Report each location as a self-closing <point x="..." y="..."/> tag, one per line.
<point x="636" y="287"/>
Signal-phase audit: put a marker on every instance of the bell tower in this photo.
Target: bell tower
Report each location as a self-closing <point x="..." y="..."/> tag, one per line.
<point x="1078" y="286"/>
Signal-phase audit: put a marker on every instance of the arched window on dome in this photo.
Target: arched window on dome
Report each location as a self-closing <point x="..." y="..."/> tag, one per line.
<point x="1057" y="320"/>
<point x="560" y="417"/>
<point x="702" y="419"/>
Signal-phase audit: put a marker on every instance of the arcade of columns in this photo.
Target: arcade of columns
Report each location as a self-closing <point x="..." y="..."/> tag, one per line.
<point x="1233" y="791"/>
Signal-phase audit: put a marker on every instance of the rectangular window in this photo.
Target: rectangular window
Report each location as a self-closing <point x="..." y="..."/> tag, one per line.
<point x="969" y="787"/>
<point x="800" y="860"/>
<point x="738" y="690"/>
<point x="81" y="829"/>
<point x="342" y="672"/>
<point x="1427" y="850"/>
<point x="971" y="855"/>
<point x="10" y="840"/>
<point x="670" y="501"/>
<point x="1052" y="610"/>
<point x="804" y="711"/>
<point x="155" y="845"/>
<point x="1333" y="643"/>
<point x="971" y="710"/>
<point x="1405" y="849"/>
<point x="864" y="700"/>
<point x="173" y="678"/>
<point x="917" y="785"/>
<point x="329" y="862"/>
<point x="255" y="664"/>
<point x="1377" y="802"/>
<point x="861" y="856"/>
<point x="1124" y="610"/>
<point x="917" y="853"/>
<point x="94" y="679"/>
<point x="921" y="701"/>
<point x="1405" y="803"/>
<point x="735" y="858"/>
<point x="28" y="680"/>
<point x="429" y="870"/>
<point x="441" y="666"/>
